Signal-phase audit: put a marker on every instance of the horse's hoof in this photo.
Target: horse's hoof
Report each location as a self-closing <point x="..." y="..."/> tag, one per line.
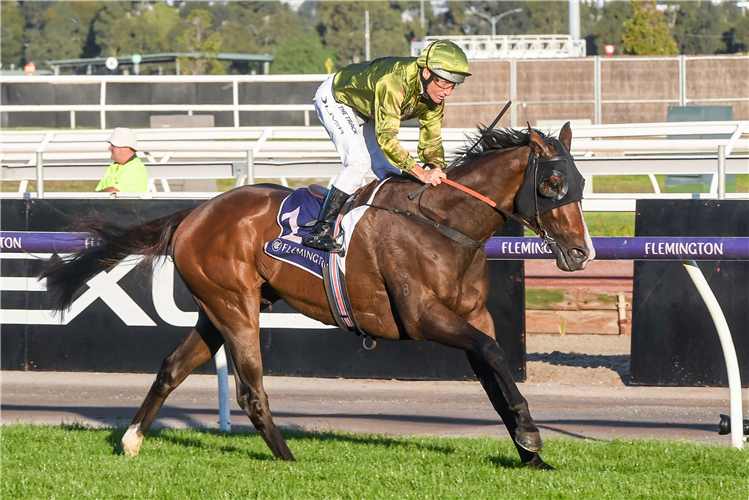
<point x="537" y="463"/>
<point x="131" y="441"/>
<point x="530" y="441"/>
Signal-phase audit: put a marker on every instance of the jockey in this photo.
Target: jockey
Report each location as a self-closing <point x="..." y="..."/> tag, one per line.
<point x="362" y="107"/>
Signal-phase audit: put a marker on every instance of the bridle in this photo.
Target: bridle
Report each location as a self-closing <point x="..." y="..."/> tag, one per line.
<point x="534" y="224"/>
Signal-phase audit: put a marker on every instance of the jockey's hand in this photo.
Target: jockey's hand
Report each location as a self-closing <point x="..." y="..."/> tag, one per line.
<point x="433" y="176"/>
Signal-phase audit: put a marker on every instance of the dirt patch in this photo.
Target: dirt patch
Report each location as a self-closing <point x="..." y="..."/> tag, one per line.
<point x="578" y="360"/>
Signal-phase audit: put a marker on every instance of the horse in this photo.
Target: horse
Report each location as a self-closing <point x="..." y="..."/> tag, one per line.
<point x="410" y="281"/>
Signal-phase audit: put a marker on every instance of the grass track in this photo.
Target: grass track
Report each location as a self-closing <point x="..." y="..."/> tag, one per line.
<point x="77" y="462"/>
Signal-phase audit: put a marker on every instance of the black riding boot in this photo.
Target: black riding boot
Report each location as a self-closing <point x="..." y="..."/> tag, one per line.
<point x="320" y="236"/>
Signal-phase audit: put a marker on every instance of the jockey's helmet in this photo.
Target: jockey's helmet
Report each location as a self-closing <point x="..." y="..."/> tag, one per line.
<point x="446" y="60"/>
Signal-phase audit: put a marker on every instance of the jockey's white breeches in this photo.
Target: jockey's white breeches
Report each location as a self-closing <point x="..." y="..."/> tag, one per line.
<point x="354" y="138"/>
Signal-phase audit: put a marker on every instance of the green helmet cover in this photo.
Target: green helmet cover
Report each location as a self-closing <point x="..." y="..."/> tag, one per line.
<point x="446" y="60"/>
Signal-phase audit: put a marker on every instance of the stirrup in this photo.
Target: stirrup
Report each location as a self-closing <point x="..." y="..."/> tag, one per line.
<point x="324" y="242"/>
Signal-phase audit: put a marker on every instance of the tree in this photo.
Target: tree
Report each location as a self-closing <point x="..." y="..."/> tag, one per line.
<point x="108" y="30"/>
<point x="11" y="35"/>
<point x="302" y="54"/>
<point x="59" y="34"/>
<point x="736" y="34"/>
<point x="153" y="30"/>
<point x="341" y="26"/>
<point x="646" y="33"/>
<point x="609" y="27"/>
<point x="204" y="43"/>
<point x="476" y="24"/>
<point x="548" y="18"/>
<point x="256" y="27"/>
<point x="698" y="28"/>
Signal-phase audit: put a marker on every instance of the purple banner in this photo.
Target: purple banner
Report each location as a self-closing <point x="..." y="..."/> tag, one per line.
<point x="628" y="248"/>
<point x="23" y="242"/>
<point x="520" y="248"/>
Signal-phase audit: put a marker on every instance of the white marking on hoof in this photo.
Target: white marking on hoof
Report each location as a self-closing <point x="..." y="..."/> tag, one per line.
<point x="132" y="440"/>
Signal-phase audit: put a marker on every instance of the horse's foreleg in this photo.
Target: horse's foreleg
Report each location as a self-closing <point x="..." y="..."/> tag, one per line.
<point x="489" y="382"/>
<point x="198" y="348"/>
<point x="439" y="324"/>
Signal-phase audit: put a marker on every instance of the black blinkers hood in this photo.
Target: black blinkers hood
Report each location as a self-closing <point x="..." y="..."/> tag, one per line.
<point x="529" y="198"/>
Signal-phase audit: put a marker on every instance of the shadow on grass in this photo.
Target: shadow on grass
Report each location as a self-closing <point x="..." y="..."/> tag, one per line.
<point x="194" y="438"/>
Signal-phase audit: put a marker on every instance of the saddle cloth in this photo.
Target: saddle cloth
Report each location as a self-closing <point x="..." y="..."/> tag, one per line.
<point x="296" y="217"/>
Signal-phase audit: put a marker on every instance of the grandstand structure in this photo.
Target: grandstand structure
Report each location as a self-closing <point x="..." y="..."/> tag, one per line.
<point x="478" y="47"/>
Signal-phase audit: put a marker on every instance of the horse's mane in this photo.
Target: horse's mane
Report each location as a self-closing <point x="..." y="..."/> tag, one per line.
<point x="491" y="140"/>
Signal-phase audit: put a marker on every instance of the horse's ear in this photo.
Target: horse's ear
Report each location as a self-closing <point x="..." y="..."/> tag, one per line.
<point x="565" y="136"/>
<point x="539" y="144"/>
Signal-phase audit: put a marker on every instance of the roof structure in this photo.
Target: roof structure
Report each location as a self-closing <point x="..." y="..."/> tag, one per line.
<point x="170" y="57"/>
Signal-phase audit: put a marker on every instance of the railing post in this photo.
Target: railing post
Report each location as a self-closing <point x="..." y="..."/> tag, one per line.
<point x="72" y="119"/>
<point x="721" y="172"/>
<point x="39" y="175"/>
<point x="250" y="167"/>
<point x="729" y="350"/>
<point x="682" y="80"/>
<point x="514" y="92"/>
<point x="597" y="89"/>
<point x="235" y="101"/>
<point x="102" y="103"/>
<point x="222" y="372"/>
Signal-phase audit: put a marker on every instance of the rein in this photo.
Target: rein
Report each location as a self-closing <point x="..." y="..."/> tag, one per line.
<point x="539" y="229"/>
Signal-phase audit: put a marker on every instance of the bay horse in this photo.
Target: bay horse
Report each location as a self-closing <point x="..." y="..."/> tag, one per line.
<point x="409" y="281"/>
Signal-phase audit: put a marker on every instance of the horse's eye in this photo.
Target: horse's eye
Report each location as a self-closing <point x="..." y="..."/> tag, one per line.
<point x="553" y="186"/>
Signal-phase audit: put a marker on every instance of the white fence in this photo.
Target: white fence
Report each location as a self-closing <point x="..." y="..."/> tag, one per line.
<point x="281" y="153"/>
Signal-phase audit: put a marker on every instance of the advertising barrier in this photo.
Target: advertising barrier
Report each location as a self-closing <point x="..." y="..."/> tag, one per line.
<point x="128" y="322"/>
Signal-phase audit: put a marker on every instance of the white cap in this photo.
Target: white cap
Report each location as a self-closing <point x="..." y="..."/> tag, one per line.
<point x="124" y="138"/>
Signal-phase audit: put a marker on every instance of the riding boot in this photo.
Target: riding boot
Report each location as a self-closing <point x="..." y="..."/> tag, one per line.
<point x="320" y="237"/>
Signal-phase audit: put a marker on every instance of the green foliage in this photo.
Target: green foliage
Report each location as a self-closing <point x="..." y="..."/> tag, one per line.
<point x="256" y="27"/>
<point x="303" y="53"/>
<point x="75" y="462"/>
<point x="548" y="18"/>
<point x="342" y="25"/>
<point x="698" y="28"/>
<point x="646" y="33"/>
<point x="43" y="30"/>
<point x="609" y="27"/>
<point x="11" y="34"/>
<point x="200" y="39"/>
<point x="111" y="29"/>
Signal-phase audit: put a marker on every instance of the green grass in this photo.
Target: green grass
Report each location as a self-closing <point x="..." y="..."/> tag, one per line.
<point x="606" y="224"/>
<point x="75" y="462"/>
<point x="642" y="184"/>
<point x="610" y="223"/>
<point x="542" y="298"/>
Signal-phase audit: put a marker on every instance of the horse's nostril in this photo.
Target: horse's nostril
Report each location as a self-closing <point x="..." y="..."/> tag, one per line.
<point x="578" y="254"/>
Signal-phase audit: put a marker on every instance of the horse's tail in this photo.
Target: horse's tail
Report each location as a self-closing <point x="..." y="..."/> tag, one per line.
<point x="116" y="241"/>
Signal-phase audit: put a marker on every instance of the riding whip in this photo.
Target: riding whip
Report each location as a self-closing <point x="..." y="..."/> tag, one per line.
<point x="455" y="161"/>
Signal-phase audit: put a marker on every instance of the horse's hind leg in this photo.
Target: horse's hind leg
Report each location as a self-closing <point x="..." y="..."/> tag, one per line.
<point x="198" y="348"/>
<point x="240" y="326"/>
